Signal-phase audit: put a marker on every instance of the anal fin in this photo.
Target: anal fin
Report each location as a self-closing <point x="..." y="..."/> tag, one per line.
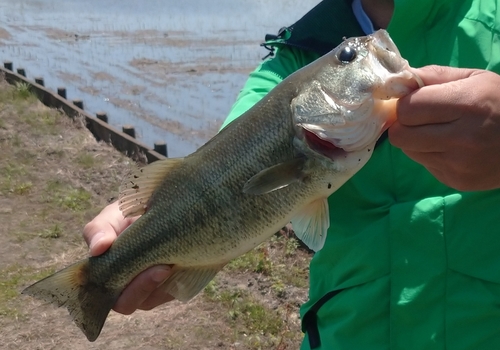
<point x="186" y="282"/>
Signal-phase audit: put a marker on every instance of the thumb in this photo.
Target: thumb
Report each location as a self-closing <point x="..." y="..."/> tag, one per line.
<point x="432" y="75"/>
<point x="101" y="232"/>
<point x="99" y="237"/>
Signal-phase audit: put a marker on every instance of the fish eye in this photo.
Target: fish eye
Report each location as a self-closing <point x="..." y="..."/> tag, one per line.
<point x="347" y="54"/>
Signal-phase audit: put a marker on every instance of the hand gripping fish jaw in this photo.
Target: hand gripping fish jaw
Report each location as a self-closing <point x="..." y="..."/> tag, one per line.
<point x="352" y="100"/>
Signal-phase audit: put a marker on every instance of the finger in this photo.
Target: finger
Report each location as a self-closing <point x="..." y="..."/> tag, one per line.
<point x="434" y="104"/>
<point x="433" y="74"/>
<point x="433" y="162"/>
<point x="445" y="98"/>
<point x="99" y="236"/>
<point x="430" y="160"/>
<point x="452" y="180"/>
<point x="101" y="232"/>
<point x="157" y="297"/>
<point x="425" y="138"/>
<point x="101" y="242"/>
<point x="141" y="288"/>
<point x="439" y="175"/>
<point x="101" y="224"/>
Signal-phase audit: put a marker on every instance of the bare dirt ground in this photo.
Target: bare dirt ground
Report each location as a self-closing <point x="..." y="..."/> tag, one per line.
<point x="54" y="177"/>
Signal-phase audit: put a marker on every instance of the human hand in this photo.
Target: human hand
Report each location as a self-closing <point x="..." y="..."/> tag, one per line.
<point x="452" y="126"/>
<point x="144" y="292"/>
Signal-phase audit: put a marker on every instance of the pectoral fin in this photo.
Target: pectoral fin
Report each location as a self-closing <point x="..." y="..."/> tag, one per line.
<point x="186" y="282"/>
<point x="276" y="177"/>
<point x="311" y="225"/>
<point x="138" y="187"/>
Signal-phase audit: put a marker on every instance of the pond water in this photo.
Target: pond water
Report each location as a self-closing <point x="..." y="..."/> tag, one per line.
<point x="171" y="68"/>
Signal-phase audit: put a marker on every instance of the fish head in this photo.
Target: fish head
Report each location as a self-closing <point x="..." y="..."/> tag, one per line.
<point x="351" y="96"/>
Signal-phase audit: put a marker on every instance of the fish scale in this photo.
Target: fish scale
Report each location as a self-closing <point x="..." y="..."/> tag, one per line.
<point x="278" y="162"/>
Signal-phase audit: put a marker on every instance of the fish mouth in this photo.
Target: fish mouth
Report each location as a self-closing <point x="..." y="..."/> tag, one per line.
<point x="322" y="146"/>
<point x="401" y="79"/>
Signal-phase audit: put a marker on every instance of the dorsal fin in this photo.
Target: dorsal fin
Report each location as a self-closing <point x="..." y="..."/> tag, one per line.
<point x="138" y="187"/>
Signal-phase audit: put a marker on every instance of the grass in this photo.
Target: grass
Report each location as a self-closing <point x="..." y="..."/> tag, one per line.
<point x="263" y="311"/>
<point x="12" y="279"/>
<point x="64" y="195"/>
<point x="22" y="90"/>
<point x="257" y="260"/>
<point x="76" y="199"/>
<point x="37" y="182"/>
<point x="52" y="232"/>
<point x="22" y="188"/>
<point x="14" y="179"/>
<point x="276" y="259"/>
<point x="86" y="161"/>
<point x="247" y="315"/>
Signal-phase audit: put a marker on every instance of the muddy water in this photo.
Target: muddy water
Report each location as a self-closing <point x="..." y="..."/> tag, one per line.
<point x="171" y="68"/>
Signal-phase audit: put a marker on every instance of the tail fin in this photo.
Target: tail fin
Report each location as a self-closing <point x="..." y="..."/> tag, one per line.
<point x="87" y="303"/>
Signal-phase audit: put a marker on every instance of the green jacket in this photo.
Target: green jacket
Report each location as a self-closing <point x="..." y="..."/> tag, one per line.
<point x="409" y="263"/>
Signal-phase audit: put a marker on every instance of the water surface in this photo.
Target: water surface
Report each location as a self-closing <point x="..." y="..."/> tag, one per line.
<point x="171" y="68"/>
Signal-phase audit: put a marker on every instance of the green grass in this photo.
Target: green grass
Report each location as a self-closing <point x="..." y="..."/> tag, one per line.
<point x="77" y="200"/>
<point x="12" y="279"/>
<point x="23" y="188"/>
<point x="258" y="320"/>
<point x="24" y="104"/>
<point x="244" y="311"/>
<point x="22" y="90"/>
<point x="86" y="161"/>
<point x="52" y="232"/>
<point x="13" y="169"/>
<point x="282" y="269"/>
<point x="42" y="122"/>
<point x="256" y="260"/>
<point x="67" y="197"/>
<point x="14" y="178"/>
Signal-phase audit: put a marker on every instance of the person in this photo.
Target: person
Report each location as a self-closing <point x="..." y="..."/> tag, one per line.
<point x="412" y="257"/>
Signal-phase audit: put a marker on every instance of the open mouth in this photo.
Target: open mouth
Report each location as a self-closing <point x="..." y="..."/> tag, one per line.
<point x="322" y="146"/>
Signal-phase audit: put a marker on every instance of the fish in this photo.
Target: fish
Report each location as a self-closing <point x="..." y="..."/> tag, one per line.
<point x="275" y="164"/>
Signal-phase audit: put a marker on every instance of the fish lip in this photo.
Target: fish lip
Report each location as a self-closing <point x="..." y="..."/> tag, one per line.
<point x="416" y="77"/>
<point x="320" y="145"/>
<point x="399" y="85"/>
<point x="402" y="79"/>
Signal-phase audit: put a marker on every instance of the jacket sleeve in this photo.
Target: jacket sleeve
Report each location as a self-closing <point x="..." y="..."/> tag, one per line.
<point x="267" y="75"/>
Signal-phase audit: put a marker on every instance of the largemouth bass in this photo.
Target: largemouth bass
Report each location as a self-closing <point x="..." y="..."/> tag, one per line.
<point x="277" y="163"/>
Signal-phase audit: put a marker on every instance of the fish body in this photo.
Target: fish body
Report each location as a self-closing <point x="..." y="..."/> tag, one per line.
<point x="277" y="163"/>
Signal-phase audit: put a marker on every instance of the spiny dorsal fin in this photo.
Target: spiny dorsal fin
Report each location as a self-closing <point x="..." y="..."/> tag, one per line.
<point x="138" y="187"/>
<point x="275" y="177"/>
<point x="312" y="223"/>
